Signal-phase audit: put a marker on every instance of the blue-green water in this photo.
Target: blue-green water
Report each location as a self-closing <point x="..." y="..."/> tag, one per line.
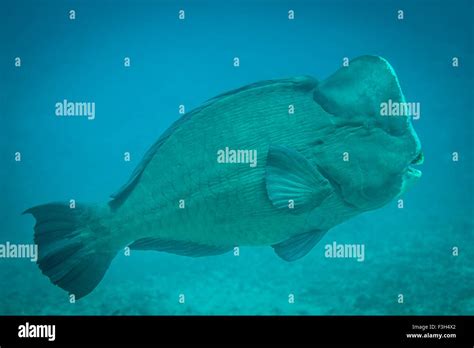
<point x="408" y="251"/>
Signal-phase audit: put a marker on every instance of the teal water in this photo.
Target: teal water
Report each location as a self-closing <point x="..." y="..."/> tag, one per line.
<point x="408" y="251"/>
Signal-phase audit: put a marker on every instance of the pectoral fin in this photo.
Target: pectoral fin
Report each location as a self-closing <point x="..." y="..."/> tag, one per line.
<point x="290" y="178"/>
<point x="298" y="246"/>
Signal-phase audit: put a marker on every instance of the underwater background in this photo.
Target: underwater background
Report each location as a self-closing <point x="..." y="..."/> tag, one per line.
<point x="408" y="251"/>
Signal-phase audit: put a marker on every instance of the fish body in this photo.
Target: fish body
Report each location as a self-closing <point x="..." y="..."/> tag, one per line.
<point x="227" y="204"/>
<point x="310" y="156"/>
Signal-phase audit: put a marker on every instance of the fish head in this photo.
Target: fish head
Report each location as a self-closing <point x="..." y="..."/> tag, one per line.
<point x="369" y="157"/>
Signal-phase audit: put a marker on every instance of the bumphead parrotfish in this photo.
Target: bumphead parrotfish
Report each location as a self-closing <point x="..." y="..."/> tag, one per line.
<point x="275" y="163"/>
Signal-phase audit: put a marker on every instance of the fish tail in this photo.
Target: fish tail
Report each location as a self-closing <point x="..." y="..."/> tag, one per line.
<point x="74" y="245"/>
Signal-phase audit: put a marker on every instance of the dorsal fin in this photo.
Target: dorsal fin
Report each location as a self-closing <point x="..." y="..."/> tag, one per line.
<point x="121" y="195"/>
<point x="297" y="81"/>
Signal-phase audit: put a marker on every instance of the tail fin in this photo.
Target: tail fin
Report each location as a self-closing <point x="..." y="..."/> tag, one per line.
<point x="71" y="247"/>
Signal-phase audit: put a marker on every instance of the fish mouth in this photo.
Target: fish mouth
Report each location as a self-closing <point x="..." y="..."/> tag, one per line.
<point x="419" y="159"/>
<point x="413" y="172"/>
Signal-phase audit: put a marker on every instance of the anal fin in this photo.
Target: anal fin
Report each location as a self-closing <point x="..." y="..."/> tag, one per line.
<point x="178" y="247"/>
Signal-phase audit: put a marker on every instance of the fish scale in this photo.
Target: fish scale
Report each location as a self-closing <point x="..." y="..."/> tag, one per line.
<point x="240" y="121"/>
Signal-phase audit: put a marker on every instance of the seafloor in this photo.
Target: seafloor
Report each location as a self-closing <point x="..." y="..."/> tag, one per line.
<point x="401" y="257"/>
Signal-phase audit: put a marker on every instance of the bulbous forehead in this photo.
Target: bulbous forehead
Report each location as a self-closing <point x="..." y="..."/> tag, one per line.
<point x="355" y="94"/>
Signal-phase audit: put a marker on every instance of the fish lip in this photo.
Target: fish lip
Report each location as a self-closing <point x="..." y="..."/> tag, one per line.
<point x="419" y="158"/>
<point x="413" y="172"/>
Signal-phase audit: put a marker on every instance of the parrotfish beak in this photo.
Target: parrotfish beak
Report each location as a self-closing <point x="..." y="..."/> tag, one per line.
<point x="412" y="175"/>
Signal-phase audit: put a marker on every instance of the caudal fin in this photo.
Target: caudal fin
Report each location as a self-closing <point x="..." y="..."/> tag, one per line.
<point x="71" y="244"/>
